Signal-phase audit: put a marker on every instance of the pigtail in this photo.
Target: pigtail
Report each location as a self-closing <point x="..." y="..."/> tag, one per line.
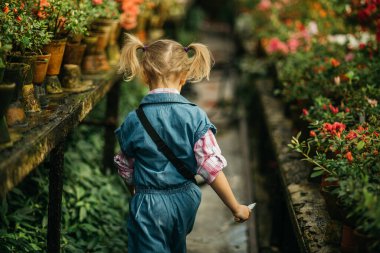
<point x="129" y="63"/>
<point x="201" y="64"/>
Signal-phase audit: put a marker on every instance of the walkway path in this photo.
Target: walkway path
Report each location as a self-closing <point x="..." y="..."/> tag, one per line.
<point x="214" y="230"/>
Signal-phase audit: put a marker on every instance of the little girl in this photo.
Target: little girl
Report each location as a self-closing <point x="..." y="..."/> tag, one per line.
<point x="164" y="203"/>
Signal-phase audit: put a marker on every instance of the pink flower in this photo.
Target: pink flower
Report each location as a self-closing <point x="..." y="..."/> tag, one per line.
<point x="293" y="44"/>
<point x="305" y="112"/>
<point x="264" y="5"/>
<point x="97" y="2"/>
<point x="349" y="57"/>
<point x="276" y="45"/>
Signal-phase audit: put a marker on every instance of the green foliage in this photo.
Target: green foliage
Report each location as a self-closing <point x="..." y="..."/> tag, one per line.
<point x="20" y="29"/>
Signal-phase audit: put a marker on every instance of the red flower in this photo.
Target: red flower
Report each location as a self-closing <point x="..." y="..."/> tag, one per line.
<point x="349" y="156"/>
<point x="333" y="109"/>
<point x="347" y="110"/>
<point x="312" y="133"/>
<point x="324" y="107"/>
<point x="334" y="62"/>
<point x="15" y="10"/>
<point x="6" y="9"/>
<point x="305" y="112"/>
<point x="19" y="18"/>
<point x="362" y="46"/>
<point x="351" y="135"/>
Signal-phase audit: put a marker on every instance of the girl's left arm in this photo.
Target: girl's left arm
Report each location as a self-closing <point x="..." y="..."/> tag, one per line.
<point x="125" y="166"/>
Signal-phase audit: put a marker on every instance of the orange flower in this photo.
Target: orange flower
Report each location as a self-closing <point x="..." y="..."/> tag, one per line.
<point x="334" y="62"/>
<point x="6" y="9"/>
<point x="19" y="18"/>
<point x="312" y="133"/>
<point x="349" y="156"/>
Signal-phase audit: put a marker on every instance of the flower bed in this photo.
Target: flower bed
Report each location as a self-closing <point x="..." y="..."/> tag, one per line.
<point x="326" y="57"/>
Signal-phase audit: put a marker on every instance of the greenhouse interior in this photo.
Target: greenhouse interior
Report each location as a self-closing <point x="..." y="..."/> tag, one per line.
<point x="261" y="130"/>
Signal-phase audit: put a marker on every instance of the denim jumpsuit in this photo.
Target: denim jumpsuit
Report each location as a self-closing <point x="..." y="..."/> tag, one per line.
<point x="162" y="212"/>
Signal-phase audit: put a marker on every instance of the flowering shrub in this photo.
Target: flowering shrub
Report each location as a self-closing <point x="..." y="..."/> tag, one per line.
<point x="20" y="29"/>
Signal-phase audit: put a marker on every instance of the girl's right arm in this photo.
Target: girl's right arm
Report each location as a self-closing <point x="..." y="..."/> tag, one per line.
<point x="221" y="186"/>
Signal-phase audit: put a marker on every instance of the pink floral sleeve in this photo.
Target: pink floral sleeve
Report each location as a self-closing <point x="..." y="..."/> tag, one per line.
<point x="209" y="157"/>
<point x="125" y="167"/>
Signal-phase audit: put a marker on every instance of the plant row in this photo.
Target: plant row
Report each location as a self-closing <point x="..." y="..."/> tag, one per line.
<point x="326" y="56"/>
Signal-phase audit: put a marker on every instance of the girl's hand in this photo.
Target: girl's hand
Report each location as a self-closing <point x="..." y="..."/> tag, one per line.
<point x="242" y="213"/>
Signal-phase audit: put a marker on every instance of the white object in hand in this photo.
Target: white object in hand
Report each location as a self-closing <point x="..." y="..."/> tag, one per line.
<point x="251" y="206"/>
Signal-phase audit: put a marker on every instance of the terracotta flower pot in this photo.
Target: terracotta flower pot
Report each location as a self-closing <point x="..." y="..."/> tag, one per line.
<point x="56" y="48"/>
<point x="6" y="93"/>
<point x="29" y="59"/>
<point x="91" y="42"/>
<point x="74" y="53"/>
<point x="113" y="49"/>
<point x="16" y="73"/>
<point x="103" y="26"/>
<point x="40" y="70"/>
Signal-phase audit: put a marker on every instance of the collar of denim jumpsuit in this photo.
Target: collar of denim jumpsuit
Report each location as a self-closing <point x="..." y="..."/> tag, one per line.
<point x="159" y="98"/>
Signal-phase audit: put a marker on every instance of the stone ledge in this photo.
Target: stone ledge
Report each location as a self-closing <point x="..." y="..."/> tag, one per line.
<point x="316" y="232"/>
<point x="45" y="130"/>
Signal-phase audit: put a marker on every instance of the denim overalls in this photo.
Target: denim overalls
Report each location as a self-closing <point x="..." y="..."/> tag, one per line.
<point x="163" y="210"/>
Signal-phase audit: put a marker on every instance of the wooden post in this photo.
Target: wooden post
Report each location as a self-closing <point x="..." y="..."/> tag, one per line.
<point x="112" y="112"/>
<point x="55" y="198"/>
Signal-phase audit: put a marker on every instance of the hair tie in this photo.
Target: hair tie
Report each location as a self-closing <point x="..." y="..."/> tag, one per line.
<point x="144" y="48"/>
<point x="186" y="49"/>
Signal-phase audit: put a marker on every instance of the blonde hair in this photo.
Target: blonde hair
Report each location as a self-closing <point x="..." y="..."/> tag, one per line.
<point x="163" y="58"/>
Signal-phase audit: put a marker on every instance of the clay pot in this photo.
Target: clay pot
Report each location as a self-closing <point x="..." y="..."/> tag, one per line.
<point x="90" y="42"/>
<point x="103" y="37"/>
<point x="113" y="50"/>
<point x="16" y="73"/>
<point x="6" y="93"/>
<point x="29" y="59"/>
<point x="103" y="26"/>
<point x="40" y="70"/>
<point x="56" y="48"/>
<point x="74" y="53"/>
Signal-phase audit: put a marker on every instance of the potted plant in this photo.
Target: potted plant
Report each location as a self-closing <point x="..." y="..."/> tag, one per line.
<point x="76" y="28"/>
<point x="55" y="14"/>
<point x="104" y="12"/>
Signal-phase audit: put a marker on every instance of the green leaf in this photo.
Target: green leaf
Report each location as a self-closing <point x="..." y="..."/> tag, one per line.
<point x="82" y="213"/>
<point x="360" y="145"/>
<point x="317" y="173"/>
